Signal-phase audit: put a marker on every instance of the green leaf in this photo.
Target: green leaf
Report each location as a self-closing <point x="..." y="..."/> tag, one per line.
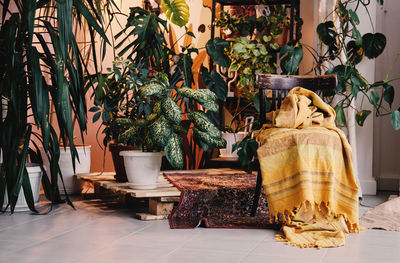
<point x="342" y="9"/>
<point x="388" y="94"/>
<point x="274" y="46"/>
<point x="174" y="152"/>
<point x="354" y="17"/>
<point x="171" y="110"/>
<point x="340" y="116"/>
<point x="177" y="11"/>
<point x="201" y="122"/>
<point x="82" y="9"/>
<point x="326" y="32"/>
<point x="160" y="131"/>
<point x="374" y="97"/>
<point x="290" y="59"/>
<point x="355" y="53"/>
<point x="94" y="109"/>
<point x="216" y="50"/>
<point x="343" y="73"/>
<point x="396" y="120"/>
<point x="373" y="44"/>
<point x="207" y="141"/>
<point x="357" y="83"/>
<point x="219" y="85"/>
<point x="239" y="48"/>
<point x="361" y="116"/>
<point x="96" y="116"/>
<point x="205" y="97"/>
<point x="357" y="36"/>
<point x="152" y="88"/>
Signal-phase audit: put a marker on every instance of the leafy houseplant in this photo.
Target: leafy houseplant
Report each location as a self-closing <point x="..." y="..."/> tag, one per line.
<point x="344" y="49"/>
<point x="250" y="57"/>
<point x="130" y="110"/>
<point x="40" y="63"/>
<point x="161" y="129"/>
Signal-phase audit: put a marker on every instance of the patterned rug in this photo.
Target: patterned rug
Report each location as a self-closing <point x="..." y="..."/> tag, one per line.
<point x="218" y="200"/>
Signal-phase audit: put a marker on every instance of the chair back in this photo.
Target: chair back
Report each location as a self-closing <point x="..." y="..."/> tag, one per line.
<point x="280" y="85"/>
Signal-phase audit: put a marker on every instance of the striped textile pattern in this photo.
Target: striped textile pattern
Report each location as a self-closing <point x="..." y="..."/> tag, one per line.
<point x="306" y="160"/>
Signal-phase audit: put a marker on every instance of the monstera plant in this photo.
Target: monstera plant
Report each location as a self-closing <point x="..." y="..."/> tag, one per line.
<point x="344" y="49"/>
<point x="40" y="65"/>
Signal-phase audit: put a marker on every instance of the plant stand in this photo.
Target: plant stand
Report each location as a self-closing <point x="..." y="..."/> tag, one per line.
<point x="161" y="200"/>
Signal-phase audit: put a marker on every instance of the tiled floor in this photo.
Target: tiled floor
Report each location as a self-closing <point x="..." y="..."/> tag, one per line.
<point x="97" y="233"/>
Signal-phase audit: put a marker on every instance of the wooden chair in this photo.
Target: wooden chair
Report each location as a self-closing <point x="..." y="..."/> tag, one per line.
<point x="280" y="85"/>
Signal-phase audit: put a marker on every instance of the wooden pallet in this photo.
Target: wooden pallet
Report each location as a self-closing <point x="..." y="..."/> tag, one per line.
<point x="161" y="199"/>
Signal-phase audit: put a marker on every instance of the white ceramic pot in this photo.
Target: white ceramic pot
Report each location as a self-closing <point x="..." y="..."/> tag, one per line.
<point x="231" y="139"/>
<point x="142" y="168"/>
<point x="35" y="177"/>
<point x="72" y="185"/>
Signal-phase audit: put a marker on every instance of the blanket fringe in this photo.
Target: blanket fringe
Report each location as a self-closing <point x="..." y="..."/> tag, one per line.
<point x="286" y="216"/>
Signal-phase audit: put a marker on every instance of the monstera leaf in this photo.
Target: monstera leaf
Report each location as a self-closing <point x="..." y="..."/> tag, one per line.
<point x="355" y="52"/>
<point x="177" y="11"/>
<point x="326" y="32"/>
<point x="373" y="44"/>
<point x="215" y="82"/>
<point x="290" y="59"/>
<point x="216" y="50"/>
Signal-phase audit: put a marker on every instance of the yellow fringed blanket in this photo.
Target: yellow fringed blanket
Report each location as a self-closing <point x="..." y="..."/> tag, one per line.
<point x="306" y="166"/>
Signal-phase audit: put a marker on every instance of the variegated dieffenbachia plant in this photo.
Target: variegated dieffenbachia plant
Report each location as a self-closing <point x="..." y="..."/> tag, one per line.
<point x="162" y="128"/>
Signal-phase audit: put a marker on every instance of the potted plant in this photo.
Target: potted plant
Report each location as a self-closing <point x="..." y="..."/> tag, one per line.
<point x="162" y="128"/>
<point x="40" y="64"/>
<point x="116" y="97"/>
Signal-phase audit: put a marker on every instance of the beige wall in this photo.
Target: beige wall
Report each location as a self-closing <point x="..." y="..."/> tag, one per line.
<point x="387" y="140"/>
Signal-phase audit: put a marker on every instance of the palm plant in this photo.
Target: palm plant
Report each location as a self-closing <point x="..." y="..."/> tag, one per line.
<point x="40" y="64"/>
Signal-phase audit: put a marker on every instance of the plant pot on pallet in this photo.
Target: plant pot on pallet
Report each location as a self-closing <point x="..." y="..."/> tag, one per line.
<point x="142" y="168"/>
<point x="118" y="160"/>
<point x="72" y="185"/>
<point x="35" y="177"/>
<point x="231" y="138"/>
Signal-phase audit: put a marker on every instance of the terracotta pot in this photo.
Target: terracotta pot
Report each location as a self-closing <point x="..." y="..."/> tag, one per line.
<point x="115" y="149"/>
<point x="283" y="39"/>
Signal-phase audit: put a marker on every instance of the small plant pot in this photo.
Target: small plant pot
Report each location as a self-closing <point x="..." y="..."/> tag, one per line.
<point x="72" y="185"/>
<point x="35" y="177"/>
<point x="118" y="160"/>
<point x="231" y="139"/>
<point x="142" y="168"/>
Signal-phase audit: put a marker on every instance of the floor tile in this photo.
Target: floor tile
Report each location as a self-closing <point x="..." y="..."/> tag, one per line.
<point x="126" y="253"/>
<point x="280" y="258"/>
<point x="201" y="256"/>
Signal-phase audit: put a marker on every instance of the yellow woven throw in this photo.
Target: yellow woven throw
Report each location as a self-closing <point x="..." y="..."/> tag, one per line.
<point x="306" y="166"/>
